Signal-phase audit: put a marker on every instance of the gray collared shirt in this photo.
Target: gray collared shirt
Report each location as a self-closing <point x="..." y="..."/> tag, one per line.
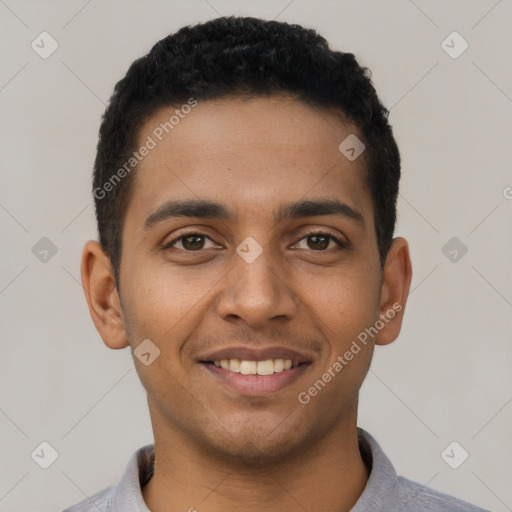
<point x="384" y="491"/>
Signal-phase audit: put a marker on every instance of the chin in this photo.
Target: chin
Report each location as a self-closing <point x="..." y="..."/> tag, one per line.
<point x="256" y="447"/>
<point x="254" y="455"/>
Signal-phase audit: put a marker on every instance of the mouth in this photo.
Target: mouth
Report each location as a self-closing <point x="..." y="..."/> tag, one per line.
<point x="262" y="368"/>
<point x="254" y="373"/>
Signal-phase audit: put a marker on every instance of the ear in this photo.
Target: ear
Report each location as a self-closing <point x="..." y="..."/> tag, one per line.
<point x="102" y="298"/>
<point x="396" y="281"/>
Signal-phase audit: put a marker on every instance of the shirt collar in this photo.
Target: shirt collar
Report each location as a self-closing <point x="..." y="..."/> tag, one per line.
<point x="377" y="495"/>
<point x="382" y="486"/>
<point x="127" y="494"/>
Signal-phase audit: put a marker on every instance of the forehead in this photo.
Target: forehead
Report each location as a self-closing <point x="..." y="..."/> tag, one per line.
<point x="250" y="153"/>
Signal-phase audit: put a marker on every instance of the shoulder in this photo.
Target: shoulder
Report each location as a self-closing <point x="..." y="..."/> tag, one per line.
<point x="125" y="496"/>
<point x="98" y="502"/>
<point x="386" y="490"/>
<point x="415" y="496"/>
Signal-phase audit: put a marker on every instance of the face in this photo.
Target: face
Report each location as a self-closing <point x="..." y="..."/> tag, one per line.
<point x="249" y="246"/>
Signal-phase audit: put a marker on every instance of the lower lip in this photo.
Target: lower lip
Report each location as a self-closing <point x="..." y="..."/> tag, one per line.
<point x="257" y="385"/>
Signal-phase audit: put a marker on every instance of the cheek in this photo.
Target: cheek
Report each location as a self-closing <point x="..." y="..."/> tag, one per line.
<point x="344" y="300"/>
<point x="345" y="305"/>
<point x="163" y="307"/>
<point x="344" y="311"/>
<point x="161" y="300"/>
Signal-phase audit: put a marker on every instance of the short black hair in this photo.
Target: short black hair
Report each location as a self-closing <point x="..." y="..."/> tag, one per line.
<point x="241" y="56"/>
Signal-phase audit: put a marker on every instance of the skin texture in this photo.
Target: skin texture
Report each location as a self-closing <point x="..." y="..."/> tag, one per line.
<point x="217" y="449"/>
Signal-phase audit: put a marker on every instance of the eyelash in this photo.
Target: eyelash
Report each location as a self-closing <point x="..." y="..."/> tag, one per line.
<point x="341" y="245"/>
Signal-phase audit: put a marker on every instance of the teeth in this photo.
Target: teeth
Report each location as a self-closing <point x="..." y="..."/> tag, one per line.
<point x="248" y="367"/>
<point x="234" y="365"/>
<point x="265" y="367"/>
<point x="244" y="367"/>
<point x="278" y="365"/>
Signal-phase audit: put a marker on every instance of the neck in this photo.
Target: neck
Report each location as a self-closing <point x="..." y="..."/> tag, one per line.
<point x="185" y="478"/>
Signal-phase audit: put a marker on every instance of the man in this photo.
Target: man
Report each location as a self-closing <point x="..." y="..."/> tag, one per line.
<point x="245" y="186"/>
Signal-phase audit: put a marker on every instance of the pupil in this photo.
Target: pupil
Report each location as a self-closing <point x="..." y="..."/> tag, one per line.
<point x="196" y="243"/>
<point x="324" y="243"/>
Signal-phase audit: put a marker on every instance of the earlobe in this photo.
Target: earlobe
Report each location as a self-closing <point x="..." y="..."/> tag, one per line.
<point x="101" y="294"/>
<point x="396" y="282"/>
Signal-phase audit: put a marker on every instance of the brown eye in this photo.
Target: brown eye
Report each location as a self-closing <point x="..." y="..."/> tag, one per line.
<point x="320" y="242"/>
<point x="191" y="242"/>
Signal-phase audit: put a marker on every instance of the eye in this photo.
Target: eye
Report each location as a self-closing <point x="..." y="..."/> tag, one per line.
<point x="320" y="241"/>
<point x="195" y="241"/>
<point x="191" y="242"/>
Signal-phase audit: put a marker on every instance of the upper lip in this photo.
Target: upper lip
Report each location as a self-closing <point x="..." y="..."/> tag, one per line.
<point x="256" y="354"/>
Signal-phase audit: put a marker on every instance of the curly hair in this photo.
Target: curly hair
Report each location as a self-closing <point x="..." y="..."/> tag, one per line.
<point x="241" y="56"/>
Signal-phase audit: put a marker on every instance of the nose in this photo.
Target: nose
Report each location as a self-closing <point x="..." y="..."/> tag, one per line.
<point x="256" y="293"/>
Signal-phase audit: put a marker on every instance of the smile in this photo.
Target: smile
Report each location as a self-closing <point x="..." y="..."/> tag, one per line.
<point x="246" y="379"/>
<point x="254" y="371"/>
<point x="246" y="367"/>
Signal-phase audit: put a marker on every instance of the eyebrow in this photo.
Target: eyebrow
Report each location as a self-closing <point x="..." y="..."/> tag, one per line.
<point x="189" y="208"/>
<point x="206" y="209"/>
<point x="315" y="208"/>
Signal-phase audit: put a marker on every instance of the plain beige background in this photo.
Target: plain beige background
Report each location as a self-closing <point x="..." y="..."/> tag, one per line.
<point x="446" y="379"/>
